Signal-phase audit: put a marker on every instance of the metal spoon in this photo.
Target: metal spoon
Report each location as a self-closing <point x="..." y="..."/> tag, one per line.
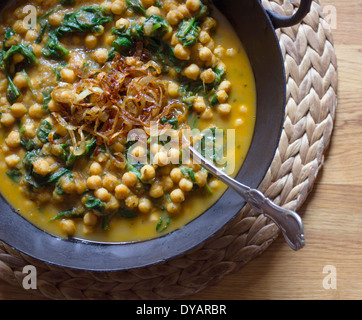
<point x="288" y="222"/>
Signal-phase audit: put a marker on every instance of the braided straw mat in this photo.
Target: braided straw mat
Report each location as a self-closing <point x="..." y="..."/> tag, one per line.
<point x="311" y="73"/>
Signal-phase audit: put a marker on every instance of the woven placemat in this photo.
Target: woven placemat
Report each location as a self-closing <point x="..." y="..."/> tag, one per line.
<point x="311" y="73"/>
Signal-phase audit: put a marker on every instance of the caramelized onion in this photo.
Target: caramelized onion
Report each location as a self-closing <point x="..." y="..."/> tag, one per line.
<point x="125" y="94"/>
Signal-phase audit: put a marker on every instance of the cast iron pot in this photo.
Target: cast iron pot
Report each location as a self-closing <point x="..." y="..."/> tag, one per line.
<point x="256" y="29"/>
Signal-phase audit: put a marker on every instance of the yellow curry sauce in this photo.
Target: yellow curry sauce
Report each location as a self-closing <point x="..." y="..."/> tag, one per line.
<point x="154" y="216"/>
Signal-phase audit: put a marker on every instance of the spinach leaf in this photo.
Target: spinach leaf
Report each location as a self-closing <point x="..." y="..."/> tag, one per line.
<point x="44" y="26"/>
<point x="95" y="204"/>
<point x="87" y="19"/>
<point x="53" y="48"/>
<point x="12" y="92"/>
<point x="67" y="2"/>
<point x="136" y="6"/>
<point x="67" y="214"/>
<point x="90" y="145"/>
<point x="44" y="130"/>
<point x="163" y="224"/>
<point x="123" y="45"/>
<point x="188" y="32"/>
<point x="172" y="121"/>
<point x="28" y="144"/>
<point x="57" y="175"/>
<point x="25" y="50"/>
<point x="14" y="174"/>
<point x="156" y="26"/>
<point x="125" y="213"/>
<point x="47" y="94"/>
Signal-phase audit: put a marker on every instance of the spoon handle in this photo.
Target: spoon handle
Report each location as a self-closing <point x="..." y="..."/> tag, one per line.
<point x="287" y="221"/>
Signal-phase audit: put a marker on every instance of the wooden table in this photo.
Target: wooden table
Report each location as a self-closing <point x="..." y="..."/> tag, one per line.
<point x="332" y="214"/>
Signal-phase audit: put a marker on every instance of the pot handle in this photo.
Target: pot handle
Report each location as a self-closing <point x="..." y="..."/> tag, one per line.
<point x="280" y="21"/>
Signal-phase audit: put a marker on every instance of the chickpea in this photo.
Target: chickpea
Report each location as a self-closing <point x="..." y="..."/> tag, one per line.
<point x="243" y="109"/>
<point x="94" y="182"/>
<point x="238" y="123"/>
<point x="67" y="185"/>
<point x="55" y="19"/>
<point x="185" y="184"/>
<point x="174" y="155"/>
<point x="156" y="190"/>
<point x="90" y="41"/>
<point x="138" y="151"/>
<point x="177" y="196"/>
<point x="207" y="115"/>
<point x="205" y="54"/>
<point x="42" y="167"/>
<point x="182" y="53"/>
<point x="173" y="208"/>
<point x="222" y="96"/>
<point x="36" y="111"/>
<point x="132" y="202"/>
<point x="153" y="10"/>
<point x="20" y="81"/>
<point x="148" y="3"/>
<point x="148" y="172"/>
<point x="99" y="31"/>
<point x="176" y="175"/>
<point x="122" y="191"/>
<point x="166" y="183"/>
<point x="113" y="203"/>
<point x="107" y="5"/>
<point x="219" y="51"/>
<point x="145" y="205"/>
<point x="192" y="71"/>
<point x="18" y="110"/>
<point x="199" y="104"/>
<point x="13" y="139"/>
<point x="53" y="106"/>
<point x="129" y="179"/>
<point x="225" y="85"/>
<point x="80" y="186"/>
<point x="68" y="227"/>
<point x="175" y="40"/>
<point x="110" y="181"/>
<point x="7" y="119"/>
<point x="160" y="158"/>
<point x="12" y="160"/>
<point x="208" y="24"/>
<point x="173" y="17"/>
<point x="101" y="55"/>
<point x="122" y="23"/>
<point x="19" y="27"/>
<point x="30" y="130"/>
<point x="102" y="194"/>
<point x="31" y="35"/>
<point x="204" y="37"/>
<point x="173" y="89"/>
<point x="231" y="52"/>
<point x="183" y="10"/>
<point x="201" y="178"/>
<point x="214" y="184"/>
<point x="37" y="48"/>
<point x="208" y="76"/>
<point x="109" y="39"/>
<point x="193" y="5"/>
<point x="224" y="109"/>
<point x="68" y="75"/>
<point x="118" y="7"/>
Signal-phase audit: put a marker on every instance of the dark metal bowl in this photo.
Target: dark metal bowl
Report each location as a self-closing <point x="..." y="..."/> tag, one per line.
<point x="256" y="29"/>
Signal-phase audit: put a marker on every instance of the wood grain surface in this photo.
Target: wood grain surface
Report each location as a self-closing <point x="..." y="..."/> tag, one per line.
<point x="332" y="214"/>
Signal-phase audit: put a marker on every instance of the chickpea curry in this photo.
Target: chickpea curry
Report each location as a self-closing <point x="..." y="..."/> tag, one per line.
<point x="82" y="83"/>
